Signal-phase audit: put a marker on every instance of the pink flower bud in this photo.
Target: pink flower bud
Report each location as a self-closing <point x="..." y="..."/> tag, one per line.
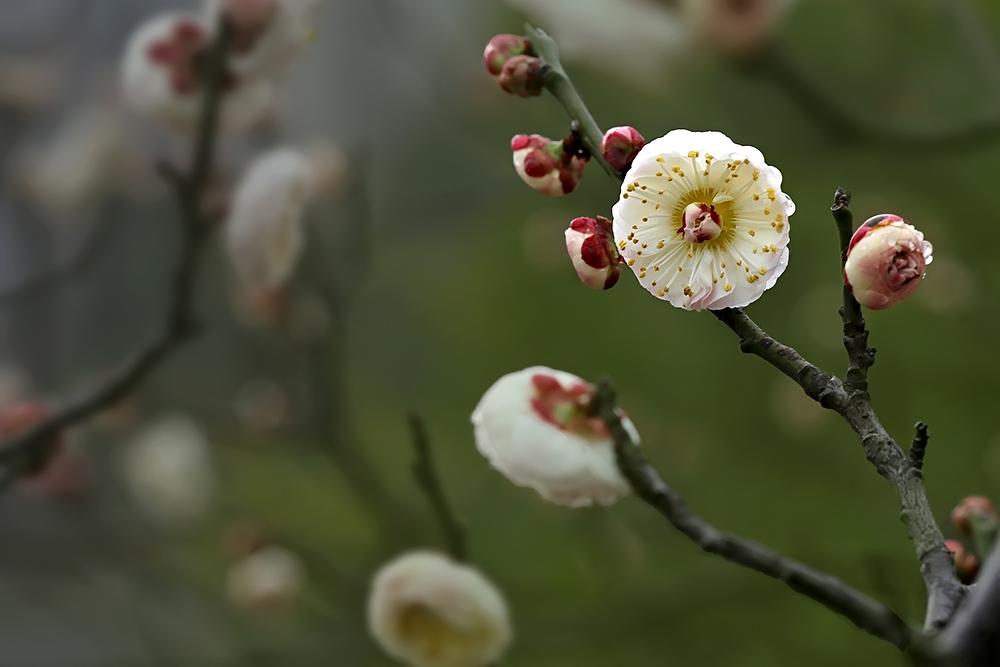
<point x="970" y="509"/>
<point x="502" y="48"/>
<point x="620" y="145"/>
<point x="590" y="243"/>
<point x="966" y="563"/>
<point x="886" y="260"/>
<point x="545" y="165"/>
<point x="522" y="76"/>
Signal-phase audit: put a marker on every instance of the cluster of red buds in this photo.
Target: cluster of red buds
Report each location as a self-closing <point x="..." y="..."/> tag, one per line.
<point x="513" y="63"/>
<point x="977" y="521"/>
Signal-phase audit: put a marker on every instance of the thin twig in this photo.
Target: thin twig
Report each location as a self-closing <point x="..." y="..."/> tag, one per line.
<point x="863" y="611"/>
<point x="33" y="445"/>
<point x="559" y="84"/>
<point x="429" y="482"/>
<point x="860" y="356"/>
<point x="919" y="447"/>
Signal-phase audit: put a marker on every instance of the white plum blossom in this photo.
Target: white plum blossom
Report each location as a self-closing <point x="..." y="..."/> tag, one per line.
<point x="702" y="221"/>
<point x="168" y="470"/>
<point x="533" y="426"/>
<point x="160" y="75"/>
<point x="269" y="33"/>
<point x="264" y="231"/>
<point x="886" y="261"/>
<point x="267" y="578"/>
<point x="429" y="611"/>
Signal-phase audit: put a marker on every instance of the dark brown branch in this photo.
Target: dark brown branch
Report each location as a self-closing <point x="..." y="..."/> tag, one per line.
<point x="429" y="482"/>
<point x="31" y="447"/>
<point x="863" y="611"/>
<point x="860" y="356"/>
<point x="919" y="447"/>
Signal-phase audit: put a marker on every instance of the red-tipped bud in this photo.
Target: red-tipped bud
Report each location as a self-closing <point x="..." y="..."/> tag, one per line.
<point x="620" y="145"/>
<point x="971" y="510"/>
<point x="591" y="247"/>
<point x="522" y="76"/>
<point x="545" y="165"/>
<point x="966" y="563"/>
<point x="502" y="48"/>
<point x="886" y="260"/>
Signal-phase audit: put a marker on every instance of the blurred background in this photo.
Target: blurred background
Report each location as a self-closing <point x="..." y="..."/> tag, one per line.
<point x="431" y="272"/>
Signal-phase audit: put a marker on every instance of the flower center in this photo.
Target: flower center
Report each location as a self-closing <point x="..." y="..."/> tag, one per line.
<point x="566" y="409"/>
<point x="903" y="269"/>
<point x="701" y="222"/>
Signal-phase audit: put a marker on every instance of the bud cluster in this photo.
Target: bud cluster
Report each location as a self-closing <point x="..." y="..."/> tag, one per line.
<point x="513" y="63"/>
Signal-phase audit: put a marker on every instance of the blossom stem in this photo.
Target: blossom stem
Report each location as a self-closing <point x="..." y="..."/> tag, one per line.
<point x="865" y="612"/>
<point x="860" y="356"/>
<point x="426" y="475"/>
<point x="33" y="445"/>
<point x="558" y="83"/>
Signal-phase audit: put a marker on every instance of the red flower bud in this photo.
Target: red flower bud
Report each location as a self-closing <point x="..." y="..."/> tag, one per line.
<point x="971" y="509"/>
<point x="886" y="260"/>
<point x="620" y="145"/>
<point x="545" y="165"/>
<point x="502" y="48"/>
<point x="522" y="76"/>
<point x="966" y="563"/>
<point x="590" y="243"/>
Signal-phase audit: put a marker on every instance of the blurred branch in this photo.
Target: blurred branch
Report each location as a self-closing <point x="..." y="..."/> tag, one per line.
<point x="429" y="482"/>
<point x="973" y="636"/>
<point x="847" y="126"/>
<point x="849" y="399"/>
<point x="972" y="35"/>
<point x="32" y="446"/>
<point x="863" y="611"/>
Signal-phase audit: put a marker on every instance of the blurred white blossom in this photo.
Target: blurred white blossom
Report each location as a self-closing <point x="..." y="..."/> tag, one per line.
<point x="270" y="577"/>
<point x="168" y="470"/>
<point x="429" y="611"/>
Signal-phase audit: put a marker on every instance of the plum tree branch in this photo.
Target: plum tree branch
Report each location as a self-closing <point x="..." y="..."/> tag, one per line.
<point x="865" y="612"/>
<point x="31" y="447"/>
<point x="427" y="478"/>
<point x="849" y="398"/>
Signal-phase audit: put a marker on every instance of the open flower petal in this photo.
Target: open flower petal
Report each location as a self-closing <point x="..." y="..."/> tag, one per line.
<point x="702" y="221"/>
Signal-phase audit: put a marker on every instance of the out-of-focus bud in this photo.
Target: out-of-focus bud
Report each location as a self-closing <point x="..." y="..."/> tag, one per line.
<point x="736" y="27"/>
<point x="886" y="260"/>
<point x="502" y="48"/>
<point x="58" y="470"/>
<point x="268" y="34"/>
<point x="971" y="510"/>
<point x="269" y="578"/>
<point x="590" y="243"/>
<point x="546" y="165"/>
<point x="161" y="76"/>
<point x="966" y="563"/>
<point x="523" y="76"/>
<point x="620" y="145"/>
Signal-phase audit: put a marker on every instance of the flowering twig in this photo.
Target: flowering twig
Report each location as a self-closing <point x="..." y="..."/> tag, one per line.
<point x="865" y="612"/>
<point x="559" y="84"/>
<point x="430" y="483"/>
<point x="850" y="399"/>
<point x="32" y="446"/>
